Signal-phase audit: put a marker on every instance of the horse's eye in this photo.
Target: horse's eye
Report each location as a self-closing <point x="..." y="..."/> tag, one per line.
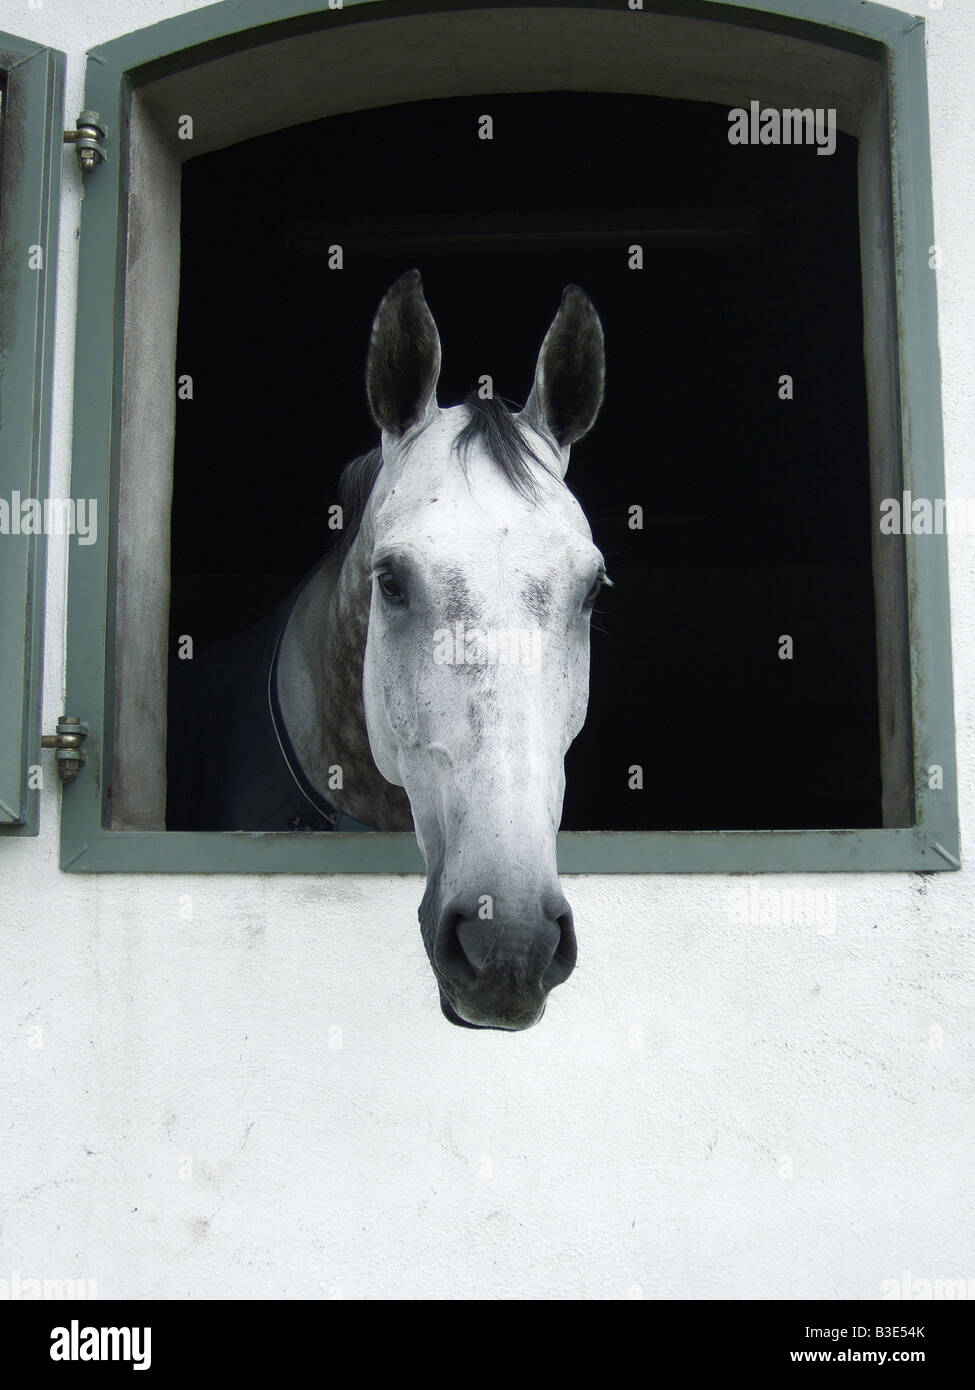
<point x="389" y="586"/>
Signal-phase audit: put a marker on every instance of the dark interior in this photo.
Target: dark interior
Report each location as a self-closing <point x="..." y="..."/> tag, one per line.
<point x="756" y="510"/>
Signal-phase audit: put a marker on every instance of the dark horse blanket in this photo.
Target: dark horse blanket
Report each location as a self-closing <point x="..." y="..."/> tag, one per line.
<point x="230" y="764"/>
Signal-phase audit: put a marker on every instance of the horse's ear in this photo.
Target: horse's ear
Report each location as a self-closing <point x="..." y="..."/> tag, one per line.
<point x="404" y="357"/>
<point x="570" y="372"/>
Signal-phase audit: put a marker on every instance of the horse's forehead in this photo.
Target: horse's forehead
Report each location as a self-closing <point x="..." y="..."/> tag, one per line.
<point x="435" y="498"/>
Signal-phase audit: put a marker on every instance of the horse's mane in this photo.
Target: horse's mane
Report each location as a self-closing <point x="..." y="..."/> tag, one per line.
<point x="489" y="422"/>
<point x="357" y="480"/>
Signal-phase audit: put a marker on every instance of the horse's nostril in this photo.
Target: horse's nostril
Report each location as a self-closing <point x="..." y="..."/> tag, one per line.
<point x="450" y="953"/>
<point x="475" y="942"/>
<point x="563" y="962"/>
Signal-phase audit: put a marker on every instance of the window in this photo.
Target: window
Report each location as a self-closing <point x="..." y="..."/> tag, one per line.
<point x="31" y="106"/>
<point x="818" y="777"/>
<point x="754" y="514"/>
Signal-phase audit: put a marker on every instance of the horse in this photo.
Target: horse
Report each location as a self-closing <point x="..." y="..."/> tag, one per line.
<point x="440" y="658"/>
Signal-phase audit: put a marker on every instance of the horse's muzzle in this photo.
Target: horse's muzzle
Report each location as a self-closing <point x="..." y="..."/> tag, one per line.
<point x="497" y="973"/>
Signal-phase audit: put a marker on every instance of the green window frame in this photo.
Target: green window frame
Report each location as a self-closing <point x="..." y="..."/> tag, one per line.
<point x="926" y="836"/>
<point x="31" y="135"/>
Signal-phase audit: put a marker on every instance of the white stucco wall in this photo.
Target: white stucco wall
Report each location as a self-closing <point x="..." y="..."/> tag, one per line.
<point x="707" y="1110"/>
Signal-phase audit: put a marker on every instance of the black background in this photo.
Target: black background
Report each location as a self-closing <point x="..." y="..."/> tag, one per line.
<point x="756" y="510"/>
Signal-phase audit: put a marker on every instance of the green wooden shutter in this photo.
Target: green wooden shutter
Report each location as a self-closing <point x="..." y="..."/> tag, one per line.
<point x="31" y="135"/>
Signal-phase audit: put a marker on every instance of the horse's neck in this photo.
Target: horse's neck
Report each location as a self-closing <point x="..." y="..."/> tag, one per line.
<point x="320" y="695"/>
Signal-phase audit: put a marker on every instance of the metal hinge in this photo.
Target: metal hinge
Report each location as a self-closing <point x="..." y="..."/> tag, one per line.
<point x="67" y="740"/>
<point x="89" y="140"/>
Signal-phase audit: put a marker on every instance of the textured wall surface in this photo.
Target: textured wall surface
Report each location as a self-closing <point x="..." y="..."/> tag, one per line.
<point x="262" y="1099"/>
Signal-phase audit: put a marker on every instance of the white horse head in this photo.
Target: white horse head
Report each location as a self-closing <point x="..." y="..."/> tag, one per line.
<point x="476" y="665"/>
